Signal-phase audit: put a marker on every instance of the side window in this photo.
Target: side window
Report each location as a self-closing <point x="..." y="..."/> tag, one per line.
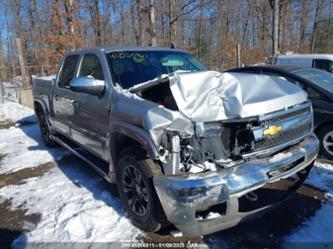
<point x="323" y="64"/>
<point x="313" y="94"/>
<point x="68" y="70"/>
<point x="91" y="67"/>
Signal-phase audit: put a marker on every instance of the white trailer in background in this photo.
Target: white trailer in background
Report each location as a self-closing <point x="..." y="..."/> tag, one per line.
<point x="321" y="61"/>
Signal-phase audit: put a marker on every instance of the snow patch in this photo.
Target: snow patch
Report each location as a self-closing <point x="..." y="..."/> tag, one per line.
<point x="212" y="215"/>
<point x="176" y="233"/>
<point x="25" y="149"/>
<point x="321" y="176"/>
<point x="74" y="202"/>
<point x="280" y="156"/>
<point x="11" y="113"/>
<point x="318" y="228"/>
<point x="71" y="211"/>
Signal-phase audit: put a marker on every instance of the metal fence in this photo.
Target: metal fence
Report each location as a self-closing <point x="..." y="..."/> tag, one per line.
<point x="11" y="77"/>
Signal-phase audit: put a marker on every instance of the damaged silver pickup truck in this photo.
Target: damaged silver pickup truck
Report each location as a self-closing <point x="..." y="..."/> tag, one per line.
<point x="199" y="149"/>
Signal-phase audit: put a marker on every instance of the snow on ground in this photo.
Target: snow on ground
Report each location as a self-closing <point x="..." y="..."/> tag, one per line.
<point x="322" y="177"/>
<point x="25" y="149"/>
<point x="318" y="228"/>
<point x="11" y="113"/>
<point x="74" y="205"/>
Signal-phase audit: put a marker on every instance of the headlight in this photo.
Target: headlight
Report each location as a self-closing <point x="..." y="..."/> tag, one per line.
<point x="209" y="129"/>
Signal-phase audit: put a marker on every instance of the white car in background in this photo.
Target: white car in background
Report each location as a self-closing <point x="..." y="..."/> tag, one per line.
<point x="321" y="61"/>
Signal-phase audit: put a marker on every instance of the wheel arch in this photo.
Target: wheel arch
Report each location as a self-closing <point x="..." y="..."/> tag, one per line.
<point x="123" y="136"/>
<point x="322" y="125"/>
<point x="39" y="104"/>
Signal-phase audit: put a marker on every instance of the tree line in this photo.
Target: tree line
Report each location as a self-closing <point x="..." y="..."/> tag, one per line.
<point x="209" y="29"/>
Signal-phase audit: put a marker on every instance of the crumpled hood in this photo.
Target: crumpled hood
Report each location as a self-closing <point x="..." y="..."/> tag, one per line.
<point x="211" y="96"/>
<point x="206" y="96"/>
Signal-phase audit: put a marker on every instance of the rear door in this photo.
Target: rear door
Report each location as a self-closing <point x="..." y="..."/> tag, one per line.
<point x="92" y="112"/>
<point x="63" y="109"/>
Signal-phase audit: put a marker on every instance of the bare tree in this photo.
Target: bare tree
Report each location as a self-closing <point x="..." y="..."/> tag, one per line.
<point x="141" y="24"/>
<point x="152" y="28"/>
<point x="210" y="29"/>
<point x="133" y="23"/>
<point x="276" y="7"/>
<point x="319" y="4"/>
<point x="93" y="8"/>
<point x="303" y="20"/>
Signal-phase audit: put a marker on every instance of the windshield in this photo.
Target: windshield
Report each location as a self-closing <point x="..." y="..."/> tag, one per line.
<point x="318" y="77"/>
<point x="134" y="67"/>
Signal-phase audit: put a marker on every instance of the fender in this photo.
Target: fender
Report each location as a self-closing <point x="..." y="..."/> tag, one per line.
<point x="132" y="132"/>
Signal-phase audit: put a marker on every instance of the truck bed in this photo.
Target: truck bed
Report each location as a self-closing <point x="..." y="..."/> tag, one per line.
<point x="42" y="87"/>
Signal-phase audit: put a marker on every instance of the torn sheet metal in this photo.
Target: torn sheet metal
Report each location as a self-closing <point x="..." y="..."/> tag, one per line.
<point x="208" y="96"/>
<point x="155" y="117"/>
<point x="158" y="119"/>
<point x="211" y="96"/>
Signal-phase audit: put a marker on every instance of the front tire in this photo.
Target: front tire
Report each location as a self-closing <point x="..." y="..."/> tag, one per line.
<point x="136" y="191"/>
<point x="325" y="136"/>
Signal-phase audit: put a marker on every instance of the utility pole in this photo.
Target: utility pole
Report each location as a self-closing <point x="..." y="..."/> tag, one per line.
<point x="26" y="97"/>
<point x="275" y="28"/>
<point x="21" y="61"/>
<point x="2" y="94"/>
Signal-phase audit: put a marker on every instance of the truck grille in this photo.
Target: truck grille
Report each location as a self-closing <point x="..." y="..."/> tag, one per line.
<point x="248" y="138"/>
<point x="282" y="138"/>
<point x="278" y="116"/>
<point x="295" y="123"/>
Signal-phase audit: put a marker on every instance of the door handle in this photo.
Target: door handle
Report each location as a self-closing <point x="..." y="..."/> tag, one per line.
<point x="75" y="103"/>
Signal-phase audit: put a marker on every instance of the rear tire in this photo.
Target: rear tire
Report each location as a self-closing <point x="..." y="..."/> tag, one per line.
<point x="45" y="130"/>
<point x="135" y="187"/>
<point x="325" y="136"/>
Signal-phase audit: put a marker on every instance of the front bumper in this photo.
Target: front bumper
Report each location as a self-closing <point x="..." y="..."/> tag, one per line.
<point x="183" y="197"/>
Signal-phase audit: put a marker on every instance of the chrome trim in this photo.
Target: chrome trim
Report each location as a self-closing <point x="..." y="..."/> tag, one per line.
<point x="286" y="124"/>
<point x="302" y="119"/>
<point x="283" y="112"/>
<point x="184" y="195"/>
<point x="272" y="150"/>
<point x="271" y="115"/>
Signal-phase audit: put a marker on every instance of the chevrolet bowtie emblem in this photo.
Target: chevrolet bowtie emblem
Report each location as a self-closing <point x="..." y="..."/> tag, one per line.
<point x="272" y="130"/>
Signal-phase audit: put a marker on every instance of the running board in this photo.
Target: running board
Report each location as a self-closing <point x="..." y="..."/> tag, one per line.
<point x="93" y="161"/>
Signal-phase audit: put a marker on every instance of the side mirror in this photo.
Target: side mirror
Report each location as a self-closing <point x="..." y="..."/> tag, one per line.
<point x="87" y="85"/>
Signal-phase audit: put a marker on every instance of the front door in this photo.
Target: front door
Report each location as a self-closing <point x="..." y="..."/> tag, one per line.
<point x="91" y="122"/>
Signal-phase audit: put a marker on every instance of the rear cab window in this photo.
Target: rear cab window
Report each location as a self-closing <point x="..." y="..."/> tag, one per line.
<point x="67" y="70"/>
